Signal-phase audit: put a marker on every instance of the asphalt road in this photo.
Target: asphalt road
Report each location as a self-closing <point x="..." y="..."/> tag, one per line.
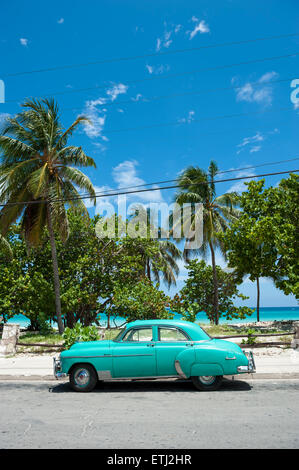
<point x="155" y="415"/>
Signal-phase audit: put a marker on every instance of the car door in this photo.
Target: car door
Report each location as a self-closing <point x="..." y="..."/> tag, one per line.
<point x="135" y="355"/>
<point x="171" y="341"/>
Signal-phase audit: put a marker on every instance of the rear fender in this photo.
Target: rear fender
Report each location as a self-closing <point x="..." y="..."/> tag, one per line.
<point x="186" y="359"/>
<point x="206" y="369"/>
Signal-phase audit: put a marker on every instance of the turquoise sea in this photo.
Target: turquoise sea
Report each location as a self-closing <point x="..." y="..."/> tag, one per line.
<point x="266" y="314"/>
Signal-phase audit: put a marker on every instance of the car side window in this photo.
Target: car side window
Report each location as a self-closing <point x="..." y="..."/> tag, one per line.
<point x="139" y="334"/>
<point x="172" y="334"/>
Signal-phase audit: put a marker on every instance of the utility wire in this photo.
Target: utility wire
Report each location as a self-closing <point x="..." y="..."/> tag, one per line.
<point x="191" y="121"/>
<point x="187" y="93"/>
<point x="162" y="77"/>
<point x="218" y="173"/>
<point x="43" y="201"/>
<point x="155" y="54"/>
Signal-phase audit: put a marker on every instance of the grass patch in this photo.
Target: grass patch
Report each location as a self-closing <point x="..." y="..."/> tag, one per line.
<point x="31" y="337"/>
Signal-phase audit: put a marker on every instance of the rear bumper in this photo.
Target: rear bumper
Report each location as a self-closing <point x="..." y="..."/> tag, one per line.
<point x="250" y="368"/>
<point x="57" y="369"/>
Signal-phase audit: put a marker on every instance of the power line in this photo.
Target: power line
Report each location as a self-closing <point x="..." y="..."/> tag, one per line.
<point x="43" y="201"/>
<point x="154" y="54"/>
<point x="185" y="121"/>
<point x="163" y="77"/>
<point x="187" y="93"/>
<point x="218" y="173"/>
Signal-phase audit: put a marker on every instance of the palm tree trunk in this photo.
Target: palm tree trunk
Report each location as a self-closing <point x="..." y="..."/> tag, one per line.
<point x="55" y="271"/>
<point x="258" y="299"/>
<point x="215" y="282"/>
<point x="148" y="268"/>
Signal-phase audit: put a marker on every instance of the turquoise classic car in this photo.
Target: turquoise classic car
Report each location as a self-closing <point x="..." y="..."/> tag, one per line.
<point x="151" y="349"/>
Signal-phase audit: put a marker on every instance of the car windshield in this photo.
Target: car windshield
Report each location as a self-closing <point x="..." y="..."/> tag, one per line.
<point x="117" y="338"/>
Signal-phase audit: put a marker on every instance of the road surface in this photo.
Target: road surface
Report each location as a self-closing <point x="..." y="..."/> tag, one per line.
<point x="156" y="415"/>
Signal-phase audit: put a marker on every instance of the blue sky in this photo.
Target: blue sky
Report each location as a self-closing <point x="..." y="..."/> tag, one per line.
<point x="34" y="36"/>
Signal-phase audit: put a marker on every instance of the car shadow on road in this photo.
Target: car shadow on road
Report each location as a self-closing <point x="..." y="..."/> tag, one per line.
<point x="170" y="385"/>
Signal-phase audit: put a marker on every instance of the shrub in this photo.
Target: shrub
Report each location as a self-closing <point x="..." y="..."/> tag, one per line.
<point x="79" y="333"/>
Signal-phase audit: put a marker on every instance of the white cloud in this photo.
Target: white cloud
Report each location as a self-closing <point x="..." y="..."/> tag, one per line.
<point x="200" y="27"/>
<point x="239" y="186"/>
<point x="253" y="143"/>
<point x="60" y="21"/>
<point x="166" y="40"/>
<point x="157" y="69"/>
<point x="100" y="200"/>
<point x="261" y="95"/>
<point x="125" y="175"/>
<point x="149" y="68"/>
<point x="137" y="97"/>
<point x="24" y="42"/>
<point x="189" y="118"/>
<point x="117" y="90"/>
<point x="268" y="76"/>
<point x="250" y="141"/>
<point x="158" y="45"/>
<point x="256" y="148"/>
<point x="97" y="116"/>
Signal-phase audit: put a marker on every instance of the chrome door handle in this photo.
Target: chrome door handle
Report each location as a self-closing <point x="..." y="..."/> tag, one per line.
<point x="150" y="345"/>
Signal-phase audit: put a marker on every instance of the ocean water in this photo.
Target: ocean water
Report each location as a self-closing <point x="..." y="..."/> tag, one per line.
<point x="266" y="314"/>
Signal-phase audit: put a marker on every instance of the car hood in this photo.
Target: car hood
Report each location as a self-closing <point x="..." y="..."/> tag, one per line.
<point x="91" y="344"/>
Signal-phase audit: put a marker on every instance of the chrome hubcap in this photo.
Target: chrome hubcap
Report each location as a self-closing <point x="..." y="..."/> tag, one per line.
<point x="81" y="377"/>
<point x="207" y="379"/>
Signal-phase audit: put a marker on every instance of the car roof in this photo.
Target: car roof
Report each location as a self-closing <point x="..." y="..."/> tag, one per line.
<point x="193" y="329"/>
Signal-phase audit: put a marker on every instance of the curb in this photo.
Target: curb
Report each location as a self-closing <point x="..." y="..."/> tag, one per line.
<point x="244" y="377"/>
<point x="264" y="376"/>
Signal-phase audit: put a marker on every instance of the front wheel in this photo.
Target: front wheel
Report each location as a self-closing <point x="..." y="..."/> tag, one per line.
<point x="207" y="382"/>
<point x="83" y="378"/>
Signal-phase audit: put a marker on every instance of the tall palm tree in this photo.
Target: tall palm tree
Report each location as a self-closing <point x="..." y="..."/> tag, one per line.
<point x="37" y="175"/>
<point x="198" y="186"/>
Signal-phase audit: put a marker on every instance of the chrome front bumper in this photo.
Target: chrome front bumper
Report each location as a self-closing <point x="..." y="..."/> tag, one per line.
<point x="250" y="369"/>
<point x="57" y="369"/>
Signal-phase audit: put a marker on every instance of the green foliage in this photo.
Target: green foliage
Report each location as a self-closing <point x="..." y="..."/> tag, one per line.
<point x="251" y="339"/>
<point x="141" y="301"/>
<point x="79" y="333"/>
<point x="91" y="272"/>
<point x="198" y="293"/>
<point x="264" y="241"/>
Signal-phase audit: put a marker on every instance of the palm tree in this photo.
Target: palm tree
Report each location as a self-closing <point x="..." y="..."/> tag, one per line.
<point x="198" y="186"/>
<point x="164" y="261"/>
<point x="37" y="176"/>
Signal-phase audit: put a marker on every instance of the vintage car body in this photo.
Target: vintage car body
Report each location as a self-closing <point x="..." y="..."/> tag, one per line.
<point x="153" y="349"/>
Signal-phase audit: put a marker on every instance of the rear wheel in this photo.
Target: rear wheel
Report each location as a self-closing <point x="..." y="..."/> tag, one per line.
<point x="83" y="378"/>
<point x="207" y="382"/>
